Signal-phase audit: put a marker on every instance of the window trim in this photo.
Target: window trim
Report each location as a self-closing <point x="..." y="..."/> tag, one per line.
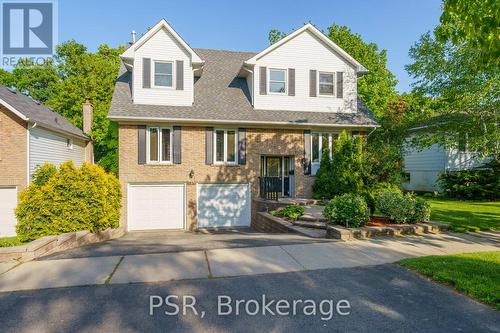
<point x="269" y="81"/>
<point x="333" y="95"/>
<point x="320" y="144"/>
<point x="153" y="73"/>
<point x="225" y="161"/>
<point x="160" y="135"/>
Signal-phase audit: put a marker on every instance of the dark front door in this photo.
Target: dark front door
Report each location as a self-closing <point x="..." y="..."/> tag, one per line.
<point x="278" y="167"/>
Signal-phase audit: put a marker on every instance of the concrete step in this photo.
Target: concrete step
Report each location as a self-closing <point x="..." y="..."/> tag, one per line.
<point x="312" y="225"/>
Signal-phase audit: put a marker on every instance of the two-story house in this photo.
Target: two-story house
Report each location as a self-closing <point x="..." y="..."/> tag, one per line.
<point x="200" y="129"/>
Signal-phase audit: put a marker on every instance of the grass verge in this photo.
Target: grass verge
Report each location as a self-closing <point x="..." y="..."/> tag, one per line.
<point x="475" y="274"/>
<point x="10" y="241"/>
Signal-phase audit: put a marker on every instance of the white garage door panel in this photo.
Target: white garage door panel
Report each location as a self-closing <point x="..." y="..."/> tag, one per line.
<point x="8" y="202"/>
<point x="156" y="207"/>
<point x="226" y="205"/>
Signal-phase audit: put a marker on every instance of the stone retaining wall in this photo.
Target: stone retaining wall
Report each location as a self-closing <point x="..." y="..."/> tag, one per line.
<point x="51" y="244"/>
<point x="339" y="232"/>
<point x="265" y="222"/>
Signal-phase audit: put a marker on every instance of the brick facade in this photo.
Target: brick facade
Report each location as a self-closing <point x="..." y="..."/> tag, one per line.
<point x="284" y="142"/>
<point x="13" y="154"/>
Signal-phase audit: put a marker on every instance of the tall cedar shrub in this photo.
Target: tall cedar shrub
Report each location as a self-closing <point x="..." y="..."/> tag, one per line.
<point x="71" y="199"/>
<point x="343" y="173"/>
<point x="322" y="187"/>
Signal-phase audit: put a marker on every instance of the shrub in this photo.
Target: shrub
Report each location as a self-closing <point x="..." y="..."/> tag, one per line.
<point x="343" y="173"/>
<point x="293" y="212"/>
<point x="349" y="210"/>
<point x="478" y="184"/>
<point x="370" y="193"/>
<point x="402" y="208"/>
<point x="68" y="199"/>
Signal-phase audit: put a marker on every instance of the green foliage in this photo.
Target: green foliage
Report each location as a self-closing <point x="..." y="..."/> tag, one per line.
<point x="476" y="22"/>
<point x="292" y="212"/>
<point x="349" y="210"/>
<point x="71" y="199"/>
<point x="475" y="184"/>
<point x="43" y="173"/>
<point x="377" y="87"/>
<point x="475" y="274"/>
<point x="9" y="241"/>
<point x="402" y="208"/>
<point x="370" y="193"/>
<point x="465" y="91"/>
<point x="64" y="85"/>
<point x="275" y="36"/>
<point x="323" y="187"/>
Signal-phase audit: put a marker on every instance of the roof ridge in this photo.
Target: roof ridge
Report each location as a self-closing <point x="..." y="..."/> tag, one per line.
<point x="222" y="50"/>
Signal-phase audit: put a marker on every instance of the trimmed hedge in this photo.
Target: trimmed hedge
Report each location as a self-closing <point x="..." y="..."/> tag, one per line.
<point x="349" y="210"/>
<point x="472" y="184"/>
<point x="402" y="208"/>
<point x="67" y="199"/>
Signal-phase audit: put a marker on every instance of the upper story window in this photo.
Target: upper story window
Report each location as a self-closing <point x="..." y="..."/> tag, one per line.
<point x="225" y="146"/>
<point x="277" y="81"/>
<point x="163" y="74"/>
<point x="326" y="84"/>
<point x="320" y="142"/>
<point x="159" y="146"/>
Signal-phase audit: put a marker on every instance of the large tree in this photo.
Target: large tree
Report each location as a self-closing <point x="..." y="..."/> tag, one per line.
<point x="475" y="22"/>
<point x="466" y="91"/>
<point x="64" y="84"/>
<point x="377" y="87"/>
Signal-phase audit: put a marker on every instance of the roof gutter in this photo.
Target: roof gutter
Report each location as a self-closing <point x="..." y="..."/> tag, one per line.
<point x="236" y="122"/>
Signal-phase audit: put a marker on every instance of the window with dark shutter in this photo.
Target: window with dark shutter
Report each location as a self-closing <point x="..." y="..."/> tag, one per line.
<point x="177" y="148"/>
<point x="242" y="146"/>
<point x="263" y="80"/>
<point x="179" y="72"/>
<point x="340" y="84"/>
<point x="312" y="83"/>
<point x="209" y="145"/>
<point x="146" y="72"/>
<point x="307" y="152"/>
<point x="291" y="82"/>
<point x="141" y="144"/>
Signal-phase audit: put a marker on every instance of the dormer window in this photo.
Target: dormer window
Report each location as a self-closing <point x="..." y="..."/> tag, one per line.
<point x="326" y="84"/>
<point x="277" y="81"/>
<point x="163" y="74"/>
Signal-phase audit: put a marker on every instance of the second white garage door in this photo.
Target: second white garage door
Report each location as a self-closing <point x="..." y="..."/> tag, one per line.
<point x="8" y="202"/>
<point x="156" y="206"/>
<point x="223" y="205"/>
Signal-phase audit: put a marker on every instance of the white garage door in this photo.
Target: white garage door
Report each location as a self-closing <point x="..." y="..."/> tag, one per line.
<point x="155" y="207"/>
<point x="8" y="202"/>
<point x="223" y="205"/>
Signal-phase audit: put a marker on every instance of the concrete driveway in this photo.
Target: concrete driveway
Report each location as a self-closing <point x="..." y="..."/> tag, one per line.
<point x="178" y="241"/>
<point x="220" y="256"/>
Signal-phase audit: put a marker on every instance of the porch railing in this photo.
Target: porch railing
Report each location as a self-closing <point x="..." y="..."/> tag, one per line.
<point x="270" y="188"/>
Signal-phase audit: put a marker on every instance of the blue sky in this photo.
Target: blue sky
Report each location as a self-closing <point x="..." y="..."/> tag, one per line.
<point x="243" y="25"/>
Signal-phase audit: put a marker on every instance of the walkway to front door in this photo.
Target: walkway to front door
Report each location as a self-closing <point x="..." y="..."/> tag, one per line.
<point x="280" y="169"/>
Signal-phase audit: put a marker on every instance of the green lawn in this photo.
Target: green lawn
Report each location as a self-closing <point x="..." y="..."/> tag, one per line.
<point x="9" y="241"/>
<point x="475" y="274"/>
<point x="466" y="215"/>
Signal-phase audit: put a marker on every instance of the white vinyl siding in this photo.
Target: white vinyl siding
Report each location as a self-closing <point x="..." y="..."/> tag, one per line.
<point x="162" y="47"/>
<point x="52" y="147"/>
<point x="8" y="202"/>
<point x="304" y="53"/>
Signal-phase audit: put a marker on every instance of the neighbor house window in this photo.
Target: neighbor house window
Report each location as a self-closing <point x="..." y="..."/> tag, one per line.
<point x="225" y="146"/>
<point x="320" y="142"/>
<point x="159" y="145"/>
<point x="163" y="73"/>
<point x="277" y="81"/>
<point x="69" y="143"/>
<point x="326" y="85"/>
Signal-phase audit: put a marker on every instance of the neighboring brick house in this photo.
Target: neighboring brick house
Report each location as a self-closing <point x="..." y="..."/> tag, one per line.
<point x="30" y="135"/>
<point x="200" y="129"/>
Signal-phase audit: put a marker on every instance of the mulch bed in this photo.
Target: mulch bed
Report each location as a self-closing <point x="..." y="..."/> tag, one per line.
<point x="382" y="221"/>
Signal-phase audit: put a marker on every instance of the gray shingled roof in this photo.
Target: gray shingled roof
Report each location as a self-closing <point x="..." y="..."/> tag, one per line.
<point x="219" y="95"/>
<point x="39" y="113"/>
